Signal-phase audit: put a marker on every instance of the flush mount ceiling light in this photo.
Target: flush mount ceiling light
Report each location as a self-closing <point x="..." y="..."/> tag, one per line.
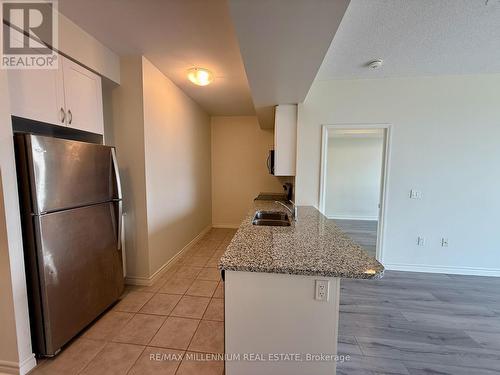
<point x="200" y="76"/>
<point x="375" y="64"/>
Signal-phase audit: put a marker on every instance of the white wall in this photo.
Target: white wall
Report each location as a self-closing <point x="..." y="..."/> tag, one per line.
<point x="88" y="51"/>
<point x="83" y="48"/>
<point x="239" y="173"/>
<point x="15" y="337"/>
<point x="445" y="142"/>
<point x="354" y="166"/>
<point x="177" y="150"/>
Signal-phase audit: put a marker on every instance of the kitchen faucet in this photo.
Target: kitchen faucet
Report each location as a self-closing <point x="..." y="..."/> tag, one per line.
<point x="293" y="210"/>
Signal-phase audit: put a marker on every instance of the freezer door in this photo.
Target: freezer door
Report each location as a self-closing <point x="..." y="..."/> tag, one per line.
<point x="65" y="174"/>
<point x="80" y="269"/>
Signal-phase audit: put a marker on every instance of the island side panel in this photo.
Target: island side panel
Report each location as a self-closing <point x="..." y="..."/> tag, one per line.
<point x="276" y="313"/>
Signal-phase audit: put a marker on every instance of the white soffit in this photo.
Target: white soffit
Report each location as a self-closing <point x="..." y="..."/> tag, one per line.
<point x="415" y="38"/>
<point x="283" y="43"/>
<point x="174" y="35"/>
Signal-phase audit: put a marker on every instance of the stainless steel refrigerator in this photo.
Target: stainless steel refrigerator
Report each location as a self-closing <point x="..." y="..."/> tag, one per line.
<point x="71" y="207"/>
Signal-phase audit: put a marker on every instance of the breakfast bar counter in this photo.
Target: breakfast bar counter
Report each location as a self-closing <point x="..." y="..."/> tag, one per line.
<point x="282" y="290"/>
<point x="312" y="245"/>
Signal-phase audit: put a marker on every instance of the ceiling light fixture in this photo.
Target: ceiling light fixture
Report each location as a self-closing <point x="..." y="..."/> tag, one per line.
<point x="375" y="64"/>
<point x="200" y="76"/>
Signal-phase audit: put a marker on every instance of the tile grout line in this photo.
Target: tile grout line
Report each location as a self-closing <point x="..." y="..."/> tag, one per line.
<point x="93" y="357"/>
<point x="169" y="315"/>
<point x="133" y="316"/>
<point x="194" y="334"/>
<point x="137" y="359"/>
<point x="166" y="318"/>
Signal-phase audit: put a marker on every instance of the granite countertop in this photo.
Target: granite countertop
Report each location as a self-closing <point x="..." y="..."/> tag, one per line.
<point x="313" y="245"/>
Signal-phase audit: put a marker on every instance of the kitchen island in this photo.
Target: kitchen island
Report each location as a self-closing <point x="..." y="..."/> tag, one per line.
<point x="282" y="288"/>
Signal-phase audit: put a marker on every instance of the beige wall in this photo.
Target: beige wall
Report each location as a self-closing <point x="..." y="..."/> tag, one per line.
<point x="444" y="142"/>
<point x="163" y="147"/>
<point x="126" y="132"/>
<point x="8" y="337"/>
<point x="177" y="149"/>
<point x="239" y="173"/>
<point x="15" y="339"/>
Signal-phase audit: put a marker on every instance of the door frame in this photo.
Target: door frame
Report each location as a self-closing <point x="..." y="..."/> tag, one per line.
<point x="385" y="173"/>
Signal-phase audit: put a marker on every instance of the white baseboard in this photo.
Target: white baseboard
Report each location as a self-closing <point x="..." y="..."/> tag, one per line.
<point x="226" y="226"/>
<point x="473" y="271"/>
<point x="15" y="368"/>
<point x="27" y="365"/>
<point x="147" y="281"/>
<point x="366" y="218"/>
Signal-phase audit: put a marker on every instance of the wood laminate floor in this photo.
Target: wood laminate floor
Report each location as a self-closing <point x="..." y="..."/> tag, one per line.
<point x="364" y="232"/>
<point x="420" y="323"/>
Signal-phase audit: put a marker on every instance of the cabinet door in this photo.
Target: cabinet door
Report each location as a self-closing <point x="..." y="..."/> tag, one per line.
<point x="37" y="94"/>
<point x="83" y="98"/>
<point x="285" y="140"/>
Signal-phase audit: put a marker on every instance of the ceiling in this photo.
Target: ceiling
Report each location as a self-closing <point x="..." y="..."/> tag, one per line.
<point x="415" y="38"/>
<point x="283" y="43"/>
<point x="174" y="35"/>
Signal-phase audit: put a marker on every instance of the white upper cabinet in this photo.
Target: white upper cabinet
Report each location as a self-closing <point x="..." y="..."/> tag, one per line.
<point x="37" y="94"/>
<point x="285" y="140"/>
<point x="69" y="96"/>
<point x="83" y="98"/>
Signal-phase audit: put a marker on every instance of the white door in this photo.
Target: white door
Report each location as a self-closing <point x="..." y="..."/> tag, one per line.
<point x="83" y="98"/>
<point x="37" y="94"/>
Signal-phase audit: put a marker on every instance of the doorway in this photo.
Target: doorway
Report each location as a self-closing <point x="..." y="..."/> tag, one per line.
<point x="353" y="179"/>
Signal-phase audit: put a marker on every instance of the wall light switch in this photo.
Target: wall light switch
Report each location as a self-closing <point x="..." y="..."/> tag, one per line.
<point x="415" y="194"/>
<point x="322" y="290"/>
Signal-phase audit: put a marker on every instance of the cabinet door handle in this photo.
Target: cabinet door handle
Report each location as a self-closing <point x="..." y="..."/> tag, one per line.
<point x="63" y="115"/>
<point x="70" y="116"/>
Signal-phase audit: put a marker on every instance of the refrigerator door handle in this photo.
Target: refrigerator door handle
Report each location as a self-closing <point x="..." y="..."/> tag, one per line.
<point x="116" y="174"/>
<point x="120" y="224"/>
<point x="119" y="198"/>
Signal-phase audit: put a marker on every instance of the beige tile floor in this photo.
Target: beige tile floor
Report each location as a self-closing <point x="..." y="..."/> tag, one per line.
<point x="183" y="312"/>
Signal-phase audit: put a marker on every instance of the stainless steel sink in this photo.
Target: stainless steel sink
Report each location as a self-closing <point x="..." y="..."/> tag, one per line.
<point x="271" y="223"/>
<point x="271" y="215"/>
<point x="271" y="218"/>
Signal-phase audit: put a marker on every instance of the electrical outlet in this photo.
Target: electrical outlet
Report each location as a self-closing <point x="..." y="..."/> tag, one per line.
<point x="322" y="290"/>
<point x="420" y="241"/>
<point x="444" y="242"/>
<point x="415" y="194"/>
